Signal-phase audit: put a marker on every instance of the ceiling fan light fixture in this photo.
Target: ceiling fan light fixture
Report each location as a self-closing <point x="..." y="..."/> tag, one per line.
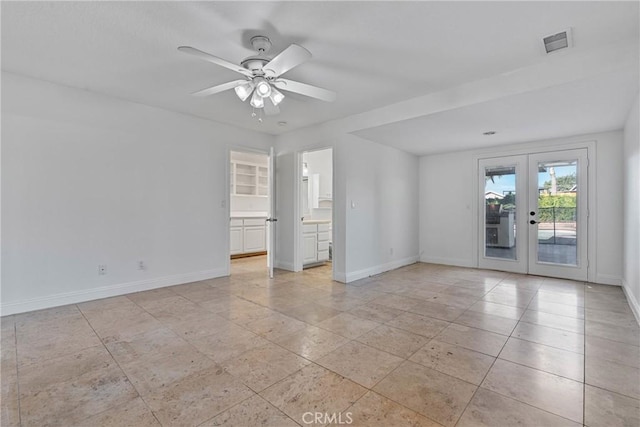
<point x="276" y="96"/>
<point x="263" y="88"/>
<point x="256" y="100"/>
<point x="244" y="90"/>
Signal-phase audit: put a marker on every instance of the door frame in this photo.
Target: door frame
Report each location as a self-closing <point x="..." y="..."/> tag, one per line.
<point x="227" y="201"/>
<point x="298" y="240"/>
<point x="535" y="148"/>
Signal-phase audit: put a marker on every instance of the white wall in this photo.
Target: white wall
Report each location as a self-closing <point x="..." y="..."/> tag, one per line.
<point x="381" y="215"/>
<point x="320" y="166"/>
<point x="88" y="180"/>
<point x="448" y="217"/>
<point x="383" y="184"/>
<point x="631" y="267"/>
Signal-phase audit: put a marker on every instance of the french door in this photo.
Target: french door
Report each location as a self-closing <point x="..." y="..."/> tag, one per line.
<point x="533" y="214"/>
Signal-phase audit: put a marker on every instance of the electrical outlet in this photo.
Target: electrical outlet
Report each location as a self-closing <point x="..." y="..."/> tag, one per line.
<point x="141" y="265"/>
<point x="102" y="270"/>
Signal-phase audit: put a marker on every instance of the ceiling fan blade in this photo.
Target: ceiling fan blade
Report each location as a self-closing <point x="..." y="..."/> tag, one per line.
<point x="291" y="57"/>
<point x="269" y="108"/>
<point x="218" y="61"/>
<point x="219" y="88"/>
<point x="305" y="89"/>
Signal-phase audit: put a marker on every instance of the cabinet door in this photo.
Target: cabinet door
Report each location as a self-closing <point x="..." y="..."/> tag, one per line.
<point x="235" y="242"/>
<point x="255" y="239"/>
<point x="310" y="244"/>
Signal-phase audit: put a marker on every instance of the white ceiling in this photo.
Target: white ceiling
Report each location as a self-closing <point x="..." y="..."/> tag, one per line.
<point x="373" y="54"/>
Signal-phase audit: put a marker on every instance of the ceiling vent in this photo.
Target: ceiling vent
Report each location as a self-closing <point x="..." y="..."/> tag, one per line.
<point x="557" y="41"/>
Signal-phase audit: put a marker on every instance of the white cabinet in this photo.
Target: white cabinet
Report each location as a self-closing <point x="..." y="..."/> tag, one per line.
<point x="247" y="235"/>
<point x="316" y="238"/>
<point x="249" y="179"/>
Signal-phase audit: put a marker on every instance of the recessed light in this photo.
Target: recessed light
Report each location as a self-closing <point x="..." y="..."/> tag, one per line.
<point x="282" y="123"/>
<point x="489" y="133"/>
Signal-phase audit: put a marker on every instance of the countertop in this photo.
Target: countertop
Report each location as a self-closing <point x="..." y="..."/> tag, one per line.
<point x="316" y="221"/>
<point x="248" y="214"/>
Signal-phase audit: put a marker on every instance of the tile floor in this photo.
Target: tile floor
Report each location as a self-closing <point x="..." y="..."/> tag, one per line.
<point x="424" y="345"/>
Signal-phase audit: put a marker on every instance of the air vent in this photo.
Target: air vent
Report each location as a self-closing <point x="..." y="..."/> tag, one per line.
<point x="557" y="41"/>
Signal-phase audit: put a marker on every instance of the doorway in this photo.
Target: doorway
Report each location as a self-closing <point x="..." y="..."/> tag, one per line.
<point x="533" y="214"/>
<point x="316" y="208"/>
<point x="249" y="207"/>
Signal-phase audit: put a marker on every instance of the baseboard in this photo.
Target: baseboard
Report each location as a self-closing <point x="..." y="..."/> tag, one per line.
<point x="457" y="262"/>
<point x="607" y="279"/>
<point x="340" y="276"/>
<point x="361" y="274"/>
<point x="106" y="291"/>
<point x="633" y="302"/>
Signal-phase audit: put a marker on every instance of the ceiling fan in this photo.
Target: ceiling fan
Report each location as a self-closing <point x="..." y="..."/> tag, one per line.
<point x="262" y="75"/>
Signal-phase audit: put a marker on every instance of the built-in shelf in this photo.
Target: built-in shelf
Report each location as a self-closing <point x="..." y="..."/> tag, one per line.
<point x="248" y="179"/>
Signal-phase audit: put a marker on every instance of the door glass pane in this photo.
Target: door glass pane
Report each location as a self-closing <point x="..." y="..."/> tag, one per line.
<point x="557" y="212"/>
<point x="500" y="212"/>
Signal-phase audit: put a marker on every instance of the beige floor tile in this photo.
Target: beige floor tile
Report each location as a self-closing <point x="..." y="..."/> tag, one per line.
<point x="603" y="408"/>
<point x="151" y="376"/>
<point x="311" y="313"/>
<point x="557" y="338"/>
<point x="552" y="393"/>
<point x="275" y="325"/>
<point x="243" y="312"/>
<point x="558" y="309"/>
<point x="613" y="351"/>
<point x="312" y="342"/>
<point x="464" y="364"/>
<point x="487" y="322"/>
<point x="134" y="414"/>
<point x="570" y="324"/>
<point x="435" y="395"/>
<point x="313" y="389"/>
<point x="197" y="398"/>
<point x="625" y="320"/>
<point x="457" y="301"/>
<point x="228" y="343"/>
<point x="549" y="359"/>
<point x="69" y="389"/>
<point x="376" y="312"/>
<point x="473" y="339"/>
<point x="463" y="292"/>
<point x="148" y="347"/>
<point x="421" y="325"/>
<point x="572" y="299"/>
<point x="199" y="291"/>
<point x="263" y="366"/>
<point x="348" y="325"/>
<point x="616" y="303"/>
<point x="375" y="410"/>
<point x="489" y="409"/>
<point x="341" y="302"/>
<point x="500" y="310"/>
<point x="253" y="412"/>
<point x="569" y="287"/>
<point x="197" y="324"/>
<point x="9" y="406"/>
<point x="613" y="332"/>
<point x="141" y="298"/>
<point x="392" y="340"/>
<point x="39" y="318"/>
<point x="437" y="310"/>
<point x="396" y="301"/>
<point x="611" y="376"/>
<point x="514" y="299"/>
<point x="360" y="363"/>
<point x="58" y="337"/>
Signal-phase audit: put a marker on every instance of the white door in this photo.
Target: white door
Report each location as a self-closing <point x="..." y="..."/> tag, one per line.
<point x="558" y="214"/>
<point x="533" y="214"/>
<point x="502" y="235"/>
<point x="271" y="220"/>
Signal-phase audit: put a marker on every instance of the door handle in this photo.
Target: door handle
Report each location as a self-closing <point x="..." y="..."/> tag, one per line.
<point x="532" y="213"/>
<point x="533" y="222"/>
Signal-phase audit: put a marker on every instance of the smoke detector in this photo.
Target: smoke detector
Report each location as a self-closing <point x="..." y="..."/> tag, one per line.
<point x="558" y="41"/>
